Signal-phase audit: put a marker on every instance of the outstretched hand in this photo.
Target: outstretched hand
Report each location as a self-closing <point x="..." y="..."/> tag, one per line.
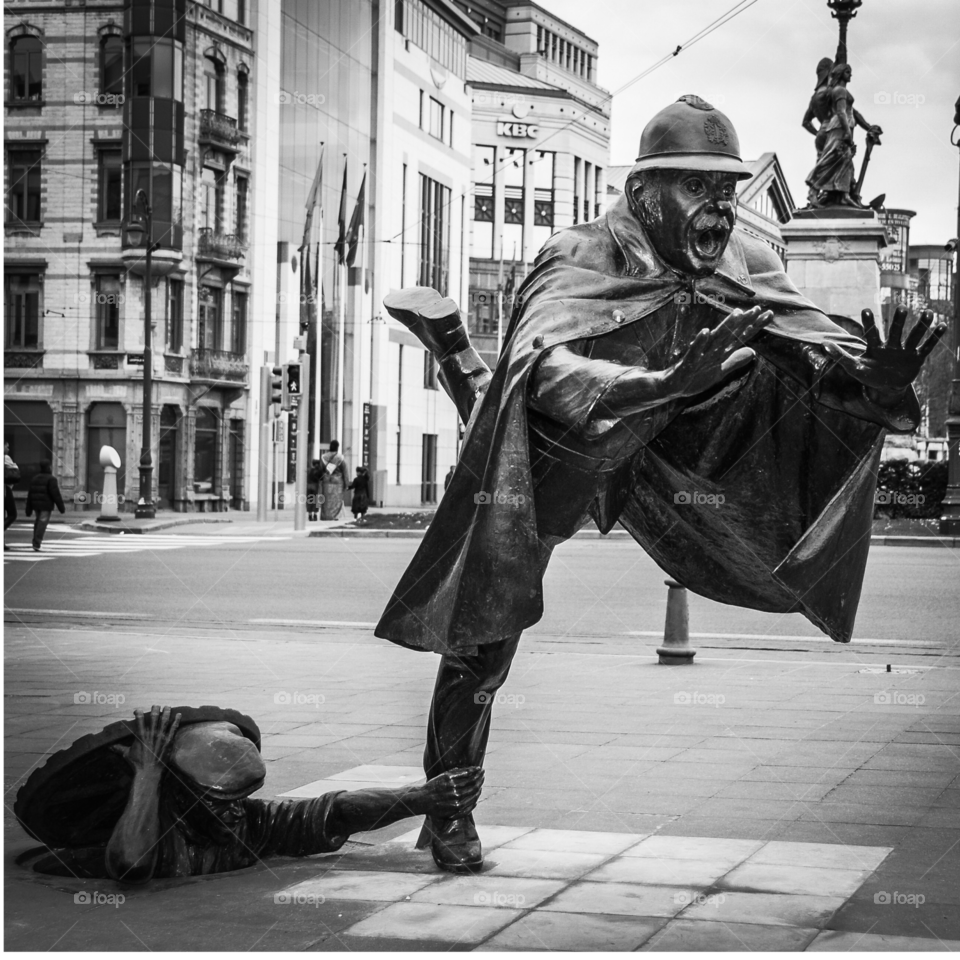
<point x="154" y="736"/>
<point x="453" y="794"/>
<point x="714" y="353"/>
<point x="888" y="369"/>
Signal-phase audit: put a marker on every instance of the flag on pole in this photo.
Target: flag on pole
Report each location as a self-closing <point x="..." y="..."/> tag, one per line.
<point x="341" y="245"/>
<point x="356" y="223"/>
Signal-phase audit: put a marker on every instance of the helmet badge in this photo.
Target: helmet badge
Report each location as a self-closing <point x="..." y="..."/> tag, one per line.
<point x="716" y="132"/>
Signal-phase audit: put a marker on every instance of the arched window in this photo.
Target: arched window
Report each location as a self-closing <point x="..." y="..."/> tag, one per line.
<point x="111" y="65"/>
<point x="26" y="77"/>
<point x="242" y="99"/>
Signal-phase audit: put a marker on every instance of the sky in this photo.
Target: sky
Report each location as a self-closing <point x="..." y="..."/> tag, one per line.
<point x="760" y="69"/>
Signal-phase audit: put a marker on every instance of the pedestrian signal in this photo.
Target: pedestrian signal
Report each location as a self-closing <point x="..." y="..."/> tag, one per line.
<point x="291" y="385"/>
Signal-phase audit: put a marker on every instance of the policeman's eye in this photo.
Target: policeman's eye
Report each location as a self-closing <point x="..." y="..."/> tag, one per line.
<point x="728" y="191"/>
<point x="694" y="186"/>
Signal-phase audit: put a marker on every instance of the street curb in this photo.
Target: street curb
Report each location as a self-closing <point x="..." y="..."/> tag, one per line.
<point x="149" y="527"/>
<point x="878" y="541"/>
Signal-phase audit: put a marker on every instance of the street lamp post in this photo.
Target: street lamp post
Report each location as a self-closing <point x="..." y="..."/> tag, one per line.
<point x="950" y="510"/>
<point x="146" y="509"/>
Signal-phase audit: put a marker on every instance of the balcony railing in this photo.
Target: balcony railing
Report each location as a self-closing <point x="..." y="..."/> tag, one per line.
<point x="218" y="128"/>
<point x="206" y="364"/>
<point x="219" y="246"/>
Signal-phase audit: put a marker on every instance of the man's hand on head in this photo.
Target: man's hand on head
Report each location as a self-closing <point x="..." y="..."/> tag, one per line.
<point x="155" y="734"/>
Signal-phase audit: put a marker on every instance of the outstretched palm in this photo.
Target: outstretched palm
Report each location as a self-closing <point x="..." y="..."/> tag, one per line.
<point x="889" y="368"/>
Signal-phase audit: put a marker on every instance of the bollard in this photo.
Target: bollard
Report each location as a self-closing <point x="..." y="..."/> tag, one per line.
<point x="109" y="460"/>
<point x="676" y="647"/>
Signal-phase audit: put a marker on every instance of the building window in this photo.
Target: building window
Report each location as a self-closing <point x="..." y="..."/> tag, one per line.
<point x="433" y="122"/>
<point x="211" y="200"/>
<point x="434" y="234"/>
<point x="22" y="300"/>
<point x="430" y="32"/>
<point x="236" y="464"/>
<point x="428" y="469"/>
<point x="543" y="173"/>
<point x="242" y="11"/>
<point x="156" y="69"/>
<point x="430" y="381"/>
<point x="243" y="93"/>
<point x="240" y="228"/>
<point x="513" y="203"/>
<point x="163" y="185"/>
<point x="205" y="449"/>
<point x="597" y="193"/>
<point x="174" y="314"/>
<point x="26" y="76"/>
<point x="23" y="198"/>
<point x="484" y="178"/>
<point x="111" y="67"/>
<point x="210" y="320"/>
<point x="238" y="329"/>
<point x="484" y="313"/>
<point x="213" y="86"/>
<point x="576" y="189"/>
<point x="110" y="193"/>
<point x="107" y="302"/>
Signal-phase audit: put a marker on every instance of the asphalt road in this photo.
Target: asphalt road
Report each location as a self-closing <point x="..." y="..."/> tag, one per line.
<point x="592" y="589"/>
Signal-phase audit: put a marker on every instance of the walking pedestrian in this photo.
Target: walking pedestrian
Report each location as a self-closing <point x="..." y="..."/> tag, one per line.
<point x="11" y="474"/>
<point x="334" y="482"/>
<point x="314" y="478"/>
<point x="448" y="478"/>
<point x="360" y="486"/>
<point x="42" y="497"/>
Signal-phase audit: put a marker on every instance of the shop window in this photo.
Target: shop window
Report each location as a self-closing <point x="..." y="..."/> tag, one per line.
<point x="106" y="426"/>
<point x="26" y="74"/>
<point x="22" y="299"/>
<point x="236" y="464"/>
<point x="205" y="451"/>
<point x="107" y="300"/>
<point x="110" y="194"/>
<point x="23" y="197"/>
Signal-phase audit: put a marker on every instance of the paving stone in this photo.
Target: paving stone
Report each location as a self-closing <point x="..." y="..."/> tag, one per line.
<point x="701" y="936"/>
<point x="893" y="815"/>
<point x="358" y="885"/>
<point x="660" y="870"/>
<point x="573" y="931"/>
<point x="552" y="864"/>
<point x="782" y="878"/>
<point x="623" y="899"/>
<point x="574" y="841"/>
<point x="519" y="893"/>
<point x="822" y="855"/>
<point x="841" y="941"/>
<point x="773" y="909"/>
<point x="427" y="921"/>
<point x="914" y="919"/>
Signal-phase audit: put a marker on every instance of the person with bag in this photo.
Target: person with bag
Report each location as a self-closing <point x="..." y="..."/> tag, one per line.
<point x="11" y="474"/>
<point x="42" y="497"/>
<point x="361" y="493"/>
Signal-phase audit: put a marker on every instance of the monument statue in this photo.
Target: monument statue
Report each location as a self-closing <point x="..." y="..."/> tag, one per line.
<point x="833" y="182"/>
<point x="168" y="795"/>
<point x="656" y="356"/>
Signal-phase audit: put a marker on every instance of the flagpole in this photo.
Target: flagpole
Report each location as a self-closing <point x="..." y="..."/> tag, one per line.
<point x="341" y="326"/>
<point x="500" y="303"/>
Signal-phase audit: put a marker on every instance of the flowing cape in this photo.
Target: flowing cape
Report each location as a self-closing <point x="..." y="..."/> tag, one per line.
<point x="797" y="478"/>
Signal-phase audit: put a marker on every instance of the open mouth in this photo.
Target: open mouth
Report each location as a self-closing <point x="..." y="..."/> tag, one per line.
<point x="709" y="243"/>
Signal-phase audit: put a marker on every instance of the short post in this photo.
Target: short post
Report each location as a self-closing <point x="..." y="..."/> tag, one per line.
<point x="109" y="506"/>
<point x="676" y="647"/>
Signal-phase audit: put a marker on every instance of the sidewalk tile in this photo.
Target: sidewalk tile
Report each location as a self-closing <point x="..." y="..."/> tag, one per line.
<point x="551" y="865"/>
<point x="841" y="941"/>
<point x="711" y="935"/>
<point x="780" y="878"/>
<point x="695" y="848"/>
<point x="777" y="909"/>
<point x="574" y="841"/>
<point x="491" y="836"/>
<point x="573" y="932"/>
<point x="360" y="885"/>
<point x="659" y="870"/>
<point x="519" y="893"/>
<point x="427" y="921"/>
<point x="623" y="899"/>
<point x="832" y="856"/>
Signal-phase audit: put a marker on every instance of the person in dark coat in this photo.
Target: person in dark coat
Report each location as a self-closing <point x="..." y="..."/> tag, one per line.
<point x="11" y="474"/>
<point x="360" y="485"/>
<point x="314" y="477"/>
<point x="42" y="497"/>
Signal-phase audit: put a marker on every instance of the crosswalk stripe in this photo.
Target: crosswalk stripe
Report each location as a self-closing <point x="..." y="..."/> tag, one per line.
<point x="97" y="545"/>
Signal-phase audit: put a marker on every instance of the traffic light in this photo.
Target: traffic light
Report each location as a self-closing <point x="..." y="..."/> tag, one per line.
<point x="275" y="394"/>
<point x="291" y="385"/>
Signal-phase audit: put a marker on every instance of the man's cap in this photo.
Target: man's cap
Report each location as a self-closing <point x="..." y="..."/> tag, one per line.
<point x="691" y="134"/>
<point x="218" y="760"/>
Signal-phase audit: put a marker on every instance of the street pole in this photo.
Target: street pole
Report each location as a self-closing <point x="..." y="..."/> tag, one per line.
<point x="146" y="509"/>
<point x="263" y="466"/>
<point x="950" y="509"/>
<point x="303" y="450"/>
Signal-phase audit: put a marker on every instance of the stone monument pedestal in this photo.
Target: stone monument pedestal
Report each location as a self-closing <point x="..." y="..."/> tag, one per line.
<point x="833" y="256"/>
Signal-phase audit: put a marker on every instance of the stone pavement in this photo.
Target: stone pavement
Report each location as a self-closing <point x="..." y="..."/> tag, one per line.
<point x="763" y="798"/>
